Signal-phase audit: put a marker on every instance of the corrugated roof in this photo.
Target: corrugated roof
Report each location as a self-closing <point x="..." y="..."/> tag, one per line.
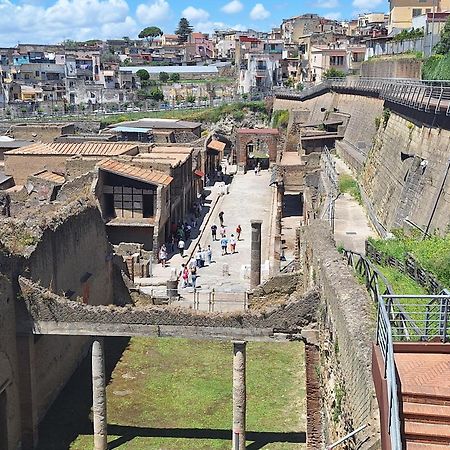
<point x="132" y="129"/>
<point x="50" y="176"/>
<point x="151" y="123"/>
<point x="217" y="145"/>
<point x="257" y="131"/>
<point x="171" y="69"/>
<point x="137" y="173"/>
<point x="74" y="148"/>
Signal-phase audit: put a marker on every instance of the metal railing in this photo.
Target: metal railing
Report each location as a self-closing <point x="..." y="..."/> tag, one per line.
<point x="213" y="300"/>
<point x="332" y="180"/>
<point x="428" y="96"/>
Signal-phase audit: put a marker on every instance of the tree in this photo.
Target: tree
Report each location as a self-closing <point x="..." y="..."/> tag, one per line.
<point x="184" y="30"/>
<point x="156" y="94"/>
<point x="175" y="77"/>
<point x="163" y="77"/>
<point x="149" y="33"/>
<point x="443" y="47"/>
<point x="333" y="73"/>
<point x="143" y="74"/>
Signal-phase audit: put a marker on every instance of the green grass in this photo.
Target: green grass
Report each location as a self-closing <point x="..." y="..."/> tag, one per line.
<point x="183" y="384"/>
<point x="347" y="184"/>
<point x="432" y="253"/>
<point x="208" y="115"/>
<point x="436" y="67"/>
<point x="401" y="283"/>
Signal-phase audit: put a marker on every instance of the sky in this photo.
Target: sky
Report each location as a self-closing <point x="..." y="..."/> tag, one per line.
<point x="52" y="21"/>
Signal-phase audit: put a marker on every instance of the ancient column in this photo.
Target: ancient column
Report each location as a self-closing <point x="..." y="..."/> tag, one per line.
<point x="255" y="255"/>
<point x="99" y="395"/>
<point x="239" y="395"/>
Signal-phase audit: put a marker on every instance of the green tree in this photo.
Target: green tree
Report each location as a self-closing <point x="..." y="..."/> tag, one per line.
<point x="163" y="77"/>
<point x="184" y="30"/>
<point x="156" y="94"/>
<point x="149" y="33"/>
<point x="443" y="47"/>
<point x="175" y="77"/>
<point x="143" y="74"/>
<point x="333" y="73"/>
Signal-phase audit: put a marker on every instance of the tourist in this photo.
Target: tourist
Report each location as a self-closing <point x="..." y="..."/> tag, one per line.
<point x="194" y="276"/>
<point x="172" y="243"/>
<point x="221" y="218"/>
<point x="222" y="231"/>
<point x="181" y="247"/>
<point x="214" y="232"/>
<point x="163" y="255"/>
<point x="232" y="244"/>
<point x="256" y="170"/>
<point x="238" y="232"/>
<point x="204" y="257"/>
<point x="198" y="258"/>
<point x="188" y="229"/>
<point x="209" y="255"/>
<point x="224" y="244"/>
<point x="185" y="277"/>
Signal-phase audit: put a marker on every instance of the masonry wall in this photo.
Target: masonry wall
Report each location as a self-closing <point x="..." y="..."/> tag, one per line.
<point x="404" y="173"/>
<point x="392" y="68"/>
<point x="41" y="132"/>
<point x="346" y="330"/>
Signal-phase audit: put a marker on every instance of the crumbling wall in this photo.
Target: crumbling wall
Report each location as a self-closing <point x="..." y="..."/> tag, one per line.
<point x="346" y="329"/>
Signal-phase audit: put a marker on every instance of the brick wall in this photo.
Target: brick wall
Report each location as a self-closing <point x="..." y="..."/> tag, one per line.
<point x="346" y="328"/>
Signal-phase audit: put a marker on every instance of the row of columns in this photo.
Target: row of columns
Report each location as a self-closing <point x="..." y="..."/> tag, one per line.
<point x="99" y="395"/>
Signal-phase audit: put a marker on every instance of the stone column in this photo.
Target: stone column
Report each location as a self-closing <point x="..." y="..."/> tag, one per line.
<point x="99" y="395"/>
<point x="255" y="255"/>
<point x="239" y="395"/>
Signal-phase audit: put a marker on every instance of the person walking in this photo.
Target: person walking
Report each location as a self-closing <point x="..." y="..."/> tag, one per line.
<point x="209" y="255"/>
<point x="232" y="244"/>
<point x="194" y="276"/>
<point x="221" y="218"/>
<point x="222" y="231"/>
<point x="163" y="255"/>
<point x="224" y="244"/>
<point x="256" y="170"/>
<point x="238" y="232"/>
<point x="181" y="247"/>
<point x="198" y="258"/>
<point x="214" y="232"/>
<point x="185" y="277"/>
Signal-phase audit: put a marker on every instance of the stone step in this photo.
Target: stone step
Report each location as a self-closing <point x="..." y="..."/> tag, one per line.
<point x="427" y="432"/>
<point x="419" y="412"/>
<point x="411" y="445"/>
<point x="442" y="399"/>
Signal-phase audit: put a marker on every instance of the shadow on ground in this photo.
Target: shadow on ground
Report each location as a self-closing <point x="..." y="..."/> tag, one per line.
<point x="259" y="439"/>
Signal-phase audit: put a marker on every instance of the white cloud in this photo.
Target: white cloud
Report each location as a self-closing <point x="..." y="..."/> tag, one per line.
<point x="327" y="4"/>
<point x="259" y="12"/>
<point x="195" y="14"/>
<point x="333" y="16"/>
<point x="233" y="7"/>
<point x="366" y="5"/>
<point x="153" y="13"/>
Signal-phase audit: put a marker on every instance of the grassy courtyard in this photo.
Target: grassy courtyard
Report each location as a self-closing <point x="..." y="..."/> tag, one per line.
<point x="176" y="394"/>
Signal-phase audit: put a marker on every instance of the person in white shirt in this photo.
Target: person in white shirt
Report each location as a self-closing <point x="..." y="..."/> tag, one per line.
<point x="181" y="247"/>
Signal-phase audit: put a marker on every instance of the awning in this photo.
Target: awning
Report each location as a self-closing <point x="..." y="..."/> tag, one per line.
<point x="199" y="173"/>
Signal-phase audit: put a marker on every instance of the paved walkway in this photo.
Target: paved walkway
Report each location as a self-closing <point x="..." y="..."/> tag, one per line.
<point x="249" y="198"/>
<point x="351" y="225"/>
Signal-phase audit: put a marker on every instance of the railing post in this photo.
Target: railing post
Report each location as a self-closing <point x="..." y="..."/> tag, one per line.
<point x="445" y="319"/>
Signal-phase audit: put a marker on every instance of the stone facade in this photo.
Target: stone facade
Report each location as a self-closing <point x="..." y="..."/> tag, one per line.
<point x="260" y="142"/>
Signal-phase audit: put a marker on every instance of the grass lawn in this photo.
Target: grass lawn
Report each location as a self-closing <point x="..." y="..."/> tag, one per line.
<point x="176" y="394"/>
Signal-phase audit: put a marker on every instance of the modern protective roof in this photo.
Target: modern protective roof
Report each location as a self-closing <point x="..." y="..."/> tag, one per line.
<point x="257" y="131"/>
<point x="137" y="173"/>
<point x="50" y="176"/>
<point x="132" y="129"/>
<point x="172" y="69"/>
<point x="75" y="148"/>
<point x="217" y="145"/>
<point x="151" y="123"/>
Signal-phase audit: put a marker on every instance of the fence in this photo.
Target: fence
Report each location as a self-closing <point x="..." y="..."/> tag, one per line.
<point x="429" y="96"/>
<point x="423" y="44"/>
<point x="409" y="266"/>
<point x="212" y="300"/>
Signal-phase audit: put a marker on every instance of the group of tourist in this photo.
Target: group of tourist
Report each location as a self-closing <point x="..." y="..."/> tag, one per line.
<point x="228" y="245"/>
<point x="189" y="272"/>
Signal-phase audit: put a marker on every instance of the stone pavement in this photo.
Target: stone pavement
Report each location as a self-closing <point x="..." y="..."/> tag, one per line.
<point x="249" y="198"/>
<point x="351" y="225"/>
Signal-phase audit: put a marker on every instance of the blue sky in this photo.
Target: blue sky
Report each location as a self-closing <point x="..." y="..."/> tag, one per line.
<point x="50" y="21"/>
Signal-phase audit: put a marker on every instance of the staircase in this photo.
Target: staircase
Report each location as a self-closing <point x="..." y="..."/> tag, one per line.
<point x="425" y="400"/>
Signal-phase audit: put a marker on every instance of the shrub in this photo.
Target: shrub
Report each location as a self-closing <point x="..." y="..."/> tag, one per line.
<point x="333" y="73"/>
<point x="280" y="118"/>
<point x="349" y="185"/>
<point x="164" y="77"/>
<point x="436" y="67"/>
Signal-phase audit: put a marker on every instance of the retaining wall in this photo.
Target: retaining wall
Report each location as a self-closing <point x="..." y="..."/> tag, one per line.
<point x="346" y="330"/>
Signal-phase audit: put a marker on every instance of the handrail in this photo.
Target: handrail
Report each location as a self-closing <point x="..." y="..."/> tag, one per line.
<point x="432" y="96"/>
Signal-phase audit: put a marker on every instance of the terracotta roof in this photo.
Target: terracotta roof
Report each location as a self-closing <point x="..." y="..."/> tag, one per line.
<point x="137" y="173"/>
<point x="217" y="145"/>
<point x="257" y="131"/>
<point x="50" y="176"/>
<point x="74" y="148"/>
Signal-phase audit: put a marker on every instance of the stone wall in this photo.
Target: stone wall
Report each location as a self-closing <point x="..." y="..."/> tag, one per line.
<point x="346" y="331"/>
<point x="393" y="67"/>
<point x="404" y="173"/>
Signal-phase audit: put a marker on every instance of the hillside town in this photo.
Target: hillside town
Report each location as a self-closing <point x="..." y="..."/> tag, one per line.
<point x="227" y="239"/>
